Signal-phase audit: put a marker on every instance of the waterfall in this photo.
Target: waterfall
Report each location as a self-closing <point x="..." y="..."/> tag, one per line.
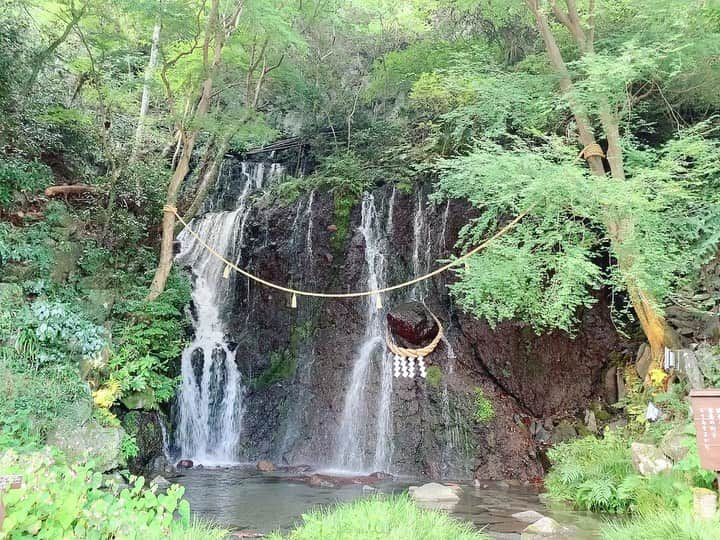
<point x="210" y="400"/>
<point x="421" y="247"/>
<point x="360" y="445"/>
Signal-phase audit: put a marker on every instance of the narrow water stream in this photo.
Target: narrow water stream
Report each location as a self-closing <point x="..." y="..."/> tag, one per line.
<point x="243" y="499"/>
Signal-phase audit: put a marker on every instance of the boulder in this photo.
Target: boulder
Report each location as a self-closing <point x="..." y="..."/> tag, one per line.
<point x="591" y="421"/>
<point x="160" y="482"/>
<point x="529" y="516"/>
<point x="320" y="481"/>
<point x="412" y="322"/>
<point x="643" y="361"/>
<point x="673" y="444"/>
<point x="649" y="459"/>
<point x="704" y="503"/>
<point x="548" y="529"/>
<point x="89" y="441"/>
<point x="265" y="466"/>
<point x="185" y="464"/>
<point x="433" y="492"/>
<point x="147" y="428"/>
<point x="611" y="385"/>
<point x="564" y="431"/>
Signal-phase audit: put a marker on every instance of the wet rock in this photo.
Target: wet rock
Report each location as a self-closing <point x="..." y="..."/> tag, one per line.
<point x="704" y="503"/>
<point x="146" y="427"/>
<point x="317" y="480"/>
<point x="381" y="476"/>
<point x="185" y="464"/>
<point x="412" y="322"/>
<point x="433" y="493"/>
<point x="160" y="482"/>
<point x="539" y="433"/>
<point x="547" y="529"/>
<point x="673" y="444"/>
<point x="529" y="516"/>
<point x="265" y="466"/>
<point x="368" y="489"/>
<point x="649" y="459"/>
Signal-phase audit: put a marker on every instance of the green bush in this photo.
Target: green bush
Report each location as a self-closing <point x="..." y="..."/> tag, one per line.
<point x="663" y="525"/>
<point x="59" y="501"/>
<point x="17" y="176"/>
<point x="396" y="518"/>
<point x="484" y="411"/>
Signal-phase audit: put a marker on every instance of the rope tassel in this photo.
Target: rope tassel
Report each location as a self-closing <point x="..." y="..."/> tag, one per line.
<point x="293" y="301"/>
<point x="378" y="302"/>
<point x="226" y="272"/>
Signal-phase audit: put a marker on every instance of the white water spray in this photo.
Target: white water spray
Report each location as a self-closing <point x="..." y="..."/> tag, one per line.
<point x="360" y="445"/>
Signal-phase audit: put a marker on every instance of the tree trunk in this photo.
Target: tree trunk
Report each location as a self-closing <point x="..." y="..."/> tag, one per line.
<point x="652" y="323"/>
<point x="209" y="177"/>
<point x="168" y="224"/>
<point x="145" y="101"/>
<point x="43" y="57"/>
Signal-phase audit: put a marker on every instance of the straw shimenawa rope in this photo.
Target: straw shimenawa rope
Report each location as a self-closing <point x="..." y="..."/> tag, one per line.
<point x="591" y="150"/>
<point x="416" y="353"/>
<point x="359" y="294"/>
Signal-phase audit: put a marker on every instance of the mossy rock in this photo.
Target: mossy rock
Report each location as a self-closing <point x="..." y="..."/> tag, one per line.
<point x="89" y="441"/>
<point x="11" y="295"/>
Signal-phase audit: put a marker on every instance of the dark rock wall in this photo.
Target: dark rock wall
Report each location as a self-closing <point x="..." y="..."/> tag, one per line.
<point x="294" y="416"/>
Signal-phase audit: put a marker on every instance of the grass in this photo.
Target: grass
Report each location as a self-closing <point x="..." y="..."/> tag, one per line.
<point x="664" y="525"/>
<point x="380" y="518"/>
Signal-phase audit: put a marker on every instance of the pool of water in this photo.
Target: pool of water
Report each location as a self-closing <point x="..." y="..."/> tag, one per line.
<point x="244" y="499"/>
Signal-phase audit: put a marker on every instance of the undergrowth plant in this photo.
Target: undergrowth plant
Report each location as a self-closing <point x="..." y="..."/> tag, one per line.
<point x="376" y="518"/>
<point x="61" y="501"/>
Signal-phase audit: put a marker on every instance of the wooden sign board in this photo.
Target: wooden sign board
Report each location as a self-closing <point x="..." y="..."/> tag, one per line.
<point x="706" y="413"/>
<point x="10" y="482"/>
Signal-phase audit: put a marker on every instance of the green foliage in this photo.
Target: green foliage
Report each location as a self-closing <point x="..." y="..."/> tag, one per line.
<point x="434" y="375"/>
<point x="590" y="473"/>
<point x="663" y="524"/>
<point x="546" y="268"/>
<point x="344" y="175"/>
<point x="149" y="340"/>
<point x="33" y="400"/>
<point x="24" y="177"/>
<point x="393" y="517"/>
<point x="58" y="501"/>
<point x="484" y="411"/>
<point x="129" y="448"/>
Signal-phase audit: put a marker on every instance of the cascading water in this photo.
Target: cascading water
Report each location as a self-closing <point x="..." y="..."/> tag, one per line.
<point x="210" y="401"/>
<point x="361" y="445"/>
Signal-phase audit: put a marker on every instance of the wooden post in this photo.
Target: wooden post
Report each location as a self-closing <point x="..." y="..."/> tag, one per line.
<point x="7" y="482"/>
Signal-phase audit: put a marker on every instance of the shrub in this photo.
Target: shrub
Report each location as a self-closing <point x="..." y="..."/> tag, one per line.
<point x="484" y="411"/>
<point x="589" y="472"/>
<point x="370" y="519"/>
<point x="18" y="176"/>
<point x="59" y="501"/>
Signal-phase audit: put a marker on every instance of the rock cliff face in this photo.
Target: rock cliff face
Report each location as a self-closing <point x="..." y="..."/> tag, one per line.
<point x="308" y="398"/>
